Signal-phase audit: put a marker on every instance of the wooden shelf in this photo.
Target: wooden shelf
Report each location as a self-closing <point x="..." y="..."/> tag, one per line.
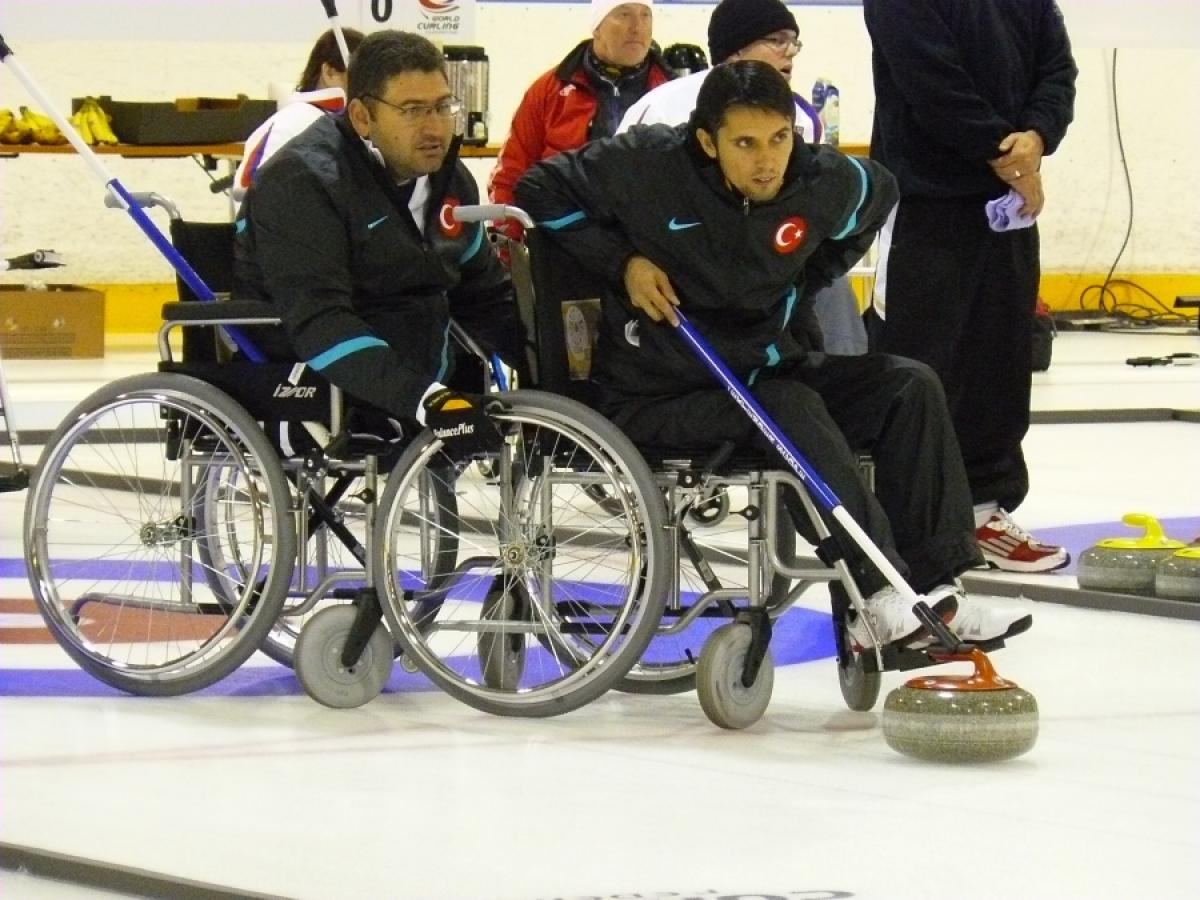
<point x="132" y="151"/>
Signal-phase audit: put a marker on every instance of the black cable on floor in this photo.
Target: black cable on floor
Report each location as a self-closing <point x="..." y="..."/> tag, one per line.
<point x="1136" y="314"/>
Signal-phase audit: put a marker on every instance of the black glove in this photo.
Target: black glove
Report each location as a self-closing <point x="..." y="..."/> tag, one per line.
<point x="462" y="422"/>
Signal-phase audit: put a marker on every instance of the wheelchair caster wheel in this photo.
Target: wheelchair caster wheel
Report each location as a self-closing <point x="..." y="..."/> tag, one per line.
<point x="319" y="660"/>
<point x="408" y="664"/>
<point x="725" y="700"/>
<point x="711" y="511"/>
<point x="860" y="688"/>
<point x="501" y="653"/>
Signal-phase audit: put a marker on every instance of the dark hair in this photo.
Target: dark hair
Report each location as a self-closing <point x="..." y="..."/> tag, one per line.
<point x="325" y="50"/>
<point x="384" y="54"/>
<point x="746" y="82"/>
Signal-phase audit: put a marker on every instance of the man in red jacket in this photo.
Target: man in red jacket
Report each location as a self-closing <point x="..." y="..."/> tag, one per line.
<point x="585" y="95"/>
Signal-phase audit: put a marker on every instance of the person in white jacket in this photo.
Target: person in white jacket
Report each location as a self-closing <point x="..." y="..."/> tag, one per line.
<point x="766" y="31"/>
<point x="321" y="90"/>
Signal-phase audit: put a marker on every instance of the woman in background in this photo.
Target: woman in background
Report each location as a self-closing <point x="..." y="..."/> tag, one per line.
<point x="321" y="90"/>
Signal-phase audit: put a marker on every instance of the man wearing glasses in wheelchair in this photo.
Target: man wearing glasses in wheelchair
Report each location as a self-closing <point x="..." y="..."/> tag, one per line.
<point x="349" y="230"/>
<point x="737" y="223"/>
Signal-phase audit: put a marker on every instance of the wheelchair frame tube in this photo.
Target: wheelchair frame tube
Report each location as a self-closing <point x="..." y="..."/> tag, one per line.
<point x="792" y="456"/>
<point x="115" y="188"/>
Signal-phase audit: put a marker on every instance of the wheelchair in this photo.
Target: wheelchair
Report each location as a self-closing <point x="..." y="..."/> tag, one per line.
<point x="729" y="537"/>
<point x="180" y="520"/>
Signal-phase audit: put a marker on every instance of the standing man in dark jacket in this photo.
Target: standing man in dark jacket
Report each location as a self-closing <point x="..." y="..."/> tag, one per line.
<point x="969" y="96"/>
<point x="736" y="222"/>
<point x="348" y="230"/>
<point x="585" y="95"/>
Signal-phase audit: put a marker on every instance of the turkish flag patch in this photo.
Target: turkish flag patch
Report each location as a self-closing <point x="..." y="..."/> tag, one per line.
<point x="790" y="234"/>
<point x="450" y="226"/>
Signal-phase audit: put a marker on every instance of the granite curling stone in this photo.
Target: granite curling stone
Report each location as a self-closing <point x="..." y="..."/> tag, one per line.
<point x="1178" y="576"/>
<point x="1127" y="565"/>
<point x="961" y="718"/>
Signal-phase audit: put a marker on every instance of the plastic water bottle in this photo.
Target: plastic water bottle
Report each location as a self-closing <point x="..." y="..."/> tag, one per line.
<point x="831" y="112"/>
<point x="818" y="95"/>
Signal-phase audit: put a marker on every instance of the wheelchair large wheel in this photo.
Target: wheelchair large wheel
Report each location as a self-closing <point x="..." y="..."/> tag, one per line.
<point x="669" y="664"/>
<point x="114" y="525"/>
<point x="583" y="587"/>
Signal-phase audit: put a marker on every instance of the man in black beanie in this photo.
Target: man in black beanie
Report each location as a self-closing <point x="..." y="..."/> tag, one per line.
<point x="766" y="31"/>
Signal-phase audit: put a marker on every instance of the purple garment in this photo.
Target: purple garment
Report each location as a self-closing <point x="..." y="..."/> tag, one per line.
<point x="1004" y="213"/>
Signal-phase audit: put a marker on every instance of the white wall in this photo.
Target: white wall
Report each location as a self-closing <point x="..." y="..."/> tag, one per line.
<point x="53" y="201"/>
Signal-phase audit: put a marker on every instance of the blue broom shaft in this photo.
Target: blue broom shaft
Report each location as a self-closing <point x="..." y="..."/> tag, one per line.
<point x="759" y="417"/>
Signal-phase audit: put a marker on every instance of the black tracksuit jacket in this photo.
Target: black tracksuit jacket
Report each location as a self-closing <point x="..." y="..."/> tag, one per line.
<point x="364" y="296"/>
<point x="745" y="273"/>
<point x="953" y="78"/>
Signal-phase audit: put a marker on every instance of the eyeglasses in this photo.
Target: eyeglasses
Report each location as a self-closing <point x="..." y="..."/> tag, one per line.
<point x="418" y="112"/>
<point x="783" y="45"/>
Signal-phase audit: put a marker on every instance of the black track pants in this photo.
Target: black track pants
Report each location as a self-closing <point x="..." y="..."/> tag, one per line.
<point x="920" y="513"/>
<point x="960" y="297"/>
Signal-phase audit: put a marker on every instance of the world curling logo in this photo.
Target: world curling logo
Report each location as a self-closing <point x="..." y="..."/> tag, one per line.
<point x="441" y="16"/>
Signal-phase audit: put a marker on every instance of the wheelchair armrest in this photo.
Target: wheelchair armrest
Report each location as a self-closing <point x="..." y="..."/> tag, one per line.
<point x="226" y="311"/>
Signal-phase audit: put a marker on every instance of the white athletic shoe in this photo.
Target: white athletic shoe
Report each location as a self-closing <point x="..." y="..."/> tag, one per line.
<point x="977" y="620"/>
<point x="893" y="618"/>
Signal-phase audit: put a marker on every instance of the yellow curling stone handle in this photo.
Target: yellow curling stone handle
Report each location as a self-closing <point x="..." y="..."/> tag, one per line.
<point x="1154" y="537"/>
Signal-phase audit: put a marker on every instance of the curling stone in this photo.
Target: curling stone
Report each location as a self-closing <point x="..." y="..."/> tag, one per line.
<point x="961" y="718"/>
<point x="1127" y="565"/>
<point x="1178" y="576"/>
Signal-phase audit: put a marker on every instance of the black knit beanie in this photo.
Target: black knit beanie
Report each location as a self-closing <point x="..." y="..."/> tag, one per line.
<point x="739" y="23"/>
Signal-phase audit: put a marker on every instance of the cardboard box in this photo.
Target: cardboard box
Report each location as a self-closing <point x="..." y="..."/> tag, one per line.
<point x="64" y="321"/>
<point x="188" y="120"/>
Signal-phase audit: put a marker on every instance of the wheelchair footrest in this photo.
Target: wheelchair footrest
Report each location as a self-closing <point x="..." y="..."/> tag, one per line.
<point x="905" y="659"/>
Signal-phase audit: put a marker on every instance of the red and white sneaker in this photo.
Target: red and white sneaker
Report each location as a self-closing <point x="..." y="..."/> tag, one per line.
<point x="1009" y="547"/>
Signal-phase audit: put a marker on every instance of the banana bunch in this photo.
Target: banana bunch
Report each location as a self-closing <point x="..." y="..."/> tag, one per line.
<point x="14" y="129"/>
<point x="91" y="121"/>
<point x="42" y="127"/>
